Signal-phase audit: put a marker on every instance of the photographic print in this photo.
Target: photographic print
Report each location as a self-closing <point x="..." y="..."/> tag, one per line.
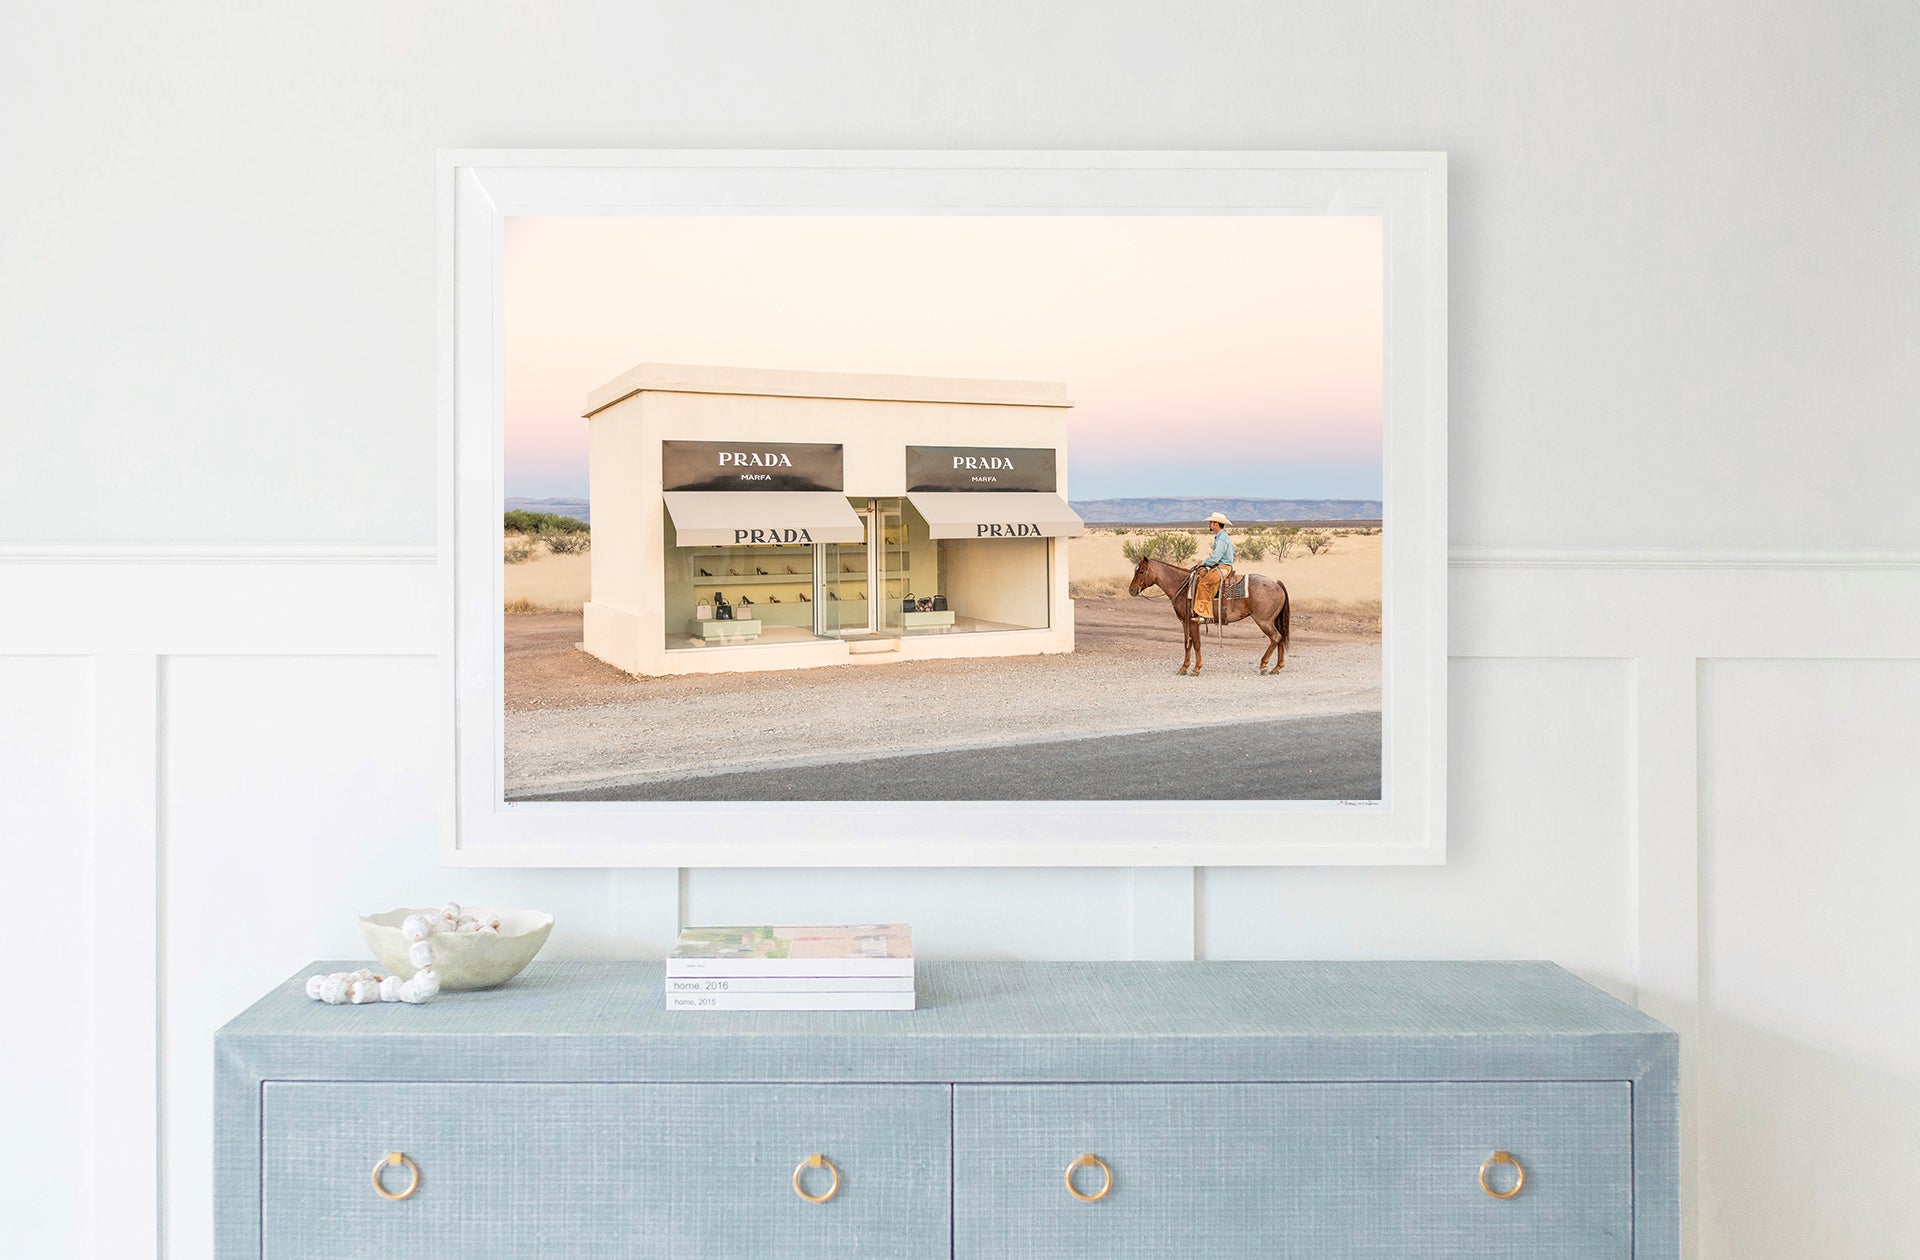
<point x="929" y="508"/>
<point x="925" y="508"/>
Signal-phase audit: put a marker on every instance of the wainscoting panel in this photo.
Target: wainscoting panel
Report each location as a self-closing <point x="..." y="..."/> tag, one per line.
<point x="1539" y="830"/>
<point x="1684" y="775"/>
<point x="1809" y="1080"/>
<point x="47" y="1038"/>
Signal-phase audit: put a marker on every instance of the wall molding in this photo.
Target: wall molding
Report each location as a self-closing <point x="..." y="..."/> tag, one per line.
<point x="1678" y="558"/>
<point x="128" y="976"/>
<point x="194" y="553"/>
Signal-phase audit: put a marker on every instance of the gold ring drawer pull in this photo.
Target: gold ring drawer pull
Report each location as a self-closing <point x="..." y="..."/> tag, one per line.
<point x="1106" y="1173"/>
<point x="394" y="1159"/>
<point x="1519" y="1175"/>
<point x="816" y="1161"/>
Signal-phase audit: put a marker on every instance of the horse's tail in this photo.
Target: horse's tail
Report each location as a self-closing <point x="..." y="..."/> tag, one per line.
<point x="1286" y="616"/>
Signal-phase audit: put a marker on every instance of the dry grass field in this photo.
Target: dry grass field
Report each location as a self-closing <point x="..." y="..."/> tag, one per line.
<point x="547" y="583"/>
<point x="1342" y="583"/>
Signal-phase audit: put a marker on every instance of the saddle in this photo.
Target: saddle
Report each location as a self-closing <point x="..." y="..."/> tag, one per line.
<point x="1236" y="589"/>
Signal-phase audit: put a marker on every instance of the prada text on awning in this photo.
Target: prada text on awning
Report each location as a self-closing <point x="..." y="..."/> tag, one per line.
<point x="754" y="518"/>
<point x="989" y="514"/>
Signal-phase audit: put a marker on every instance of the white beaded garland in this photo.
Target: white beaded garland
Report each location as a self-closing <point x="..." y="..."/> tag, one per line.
<point x="363" y="986"/>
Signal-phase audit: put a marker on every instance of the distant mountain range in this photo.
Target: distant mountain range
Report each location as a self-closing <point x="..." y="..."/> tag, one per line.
<point x="1116" y="511"/>
<point x="1172" y="511"/>
<point x="576" y="508"/>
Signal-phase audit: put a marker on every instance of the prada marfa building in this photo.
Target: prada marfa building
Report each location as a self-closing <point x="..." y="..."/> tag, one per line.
<point x="748" y="519"/>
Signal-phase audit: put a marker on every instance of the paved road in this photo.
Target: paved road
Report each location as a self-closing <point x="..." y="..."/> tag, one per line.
<point x="1309" y="759"/>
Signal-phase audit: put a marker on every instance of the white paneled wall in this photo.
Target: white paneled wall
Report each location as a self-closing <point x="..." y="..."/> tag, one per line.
<point x="1809" y="1080"/>
<point x="46" y="1039"/>
<point x="1687" y="778"/>
<point x="1538" y="857"/>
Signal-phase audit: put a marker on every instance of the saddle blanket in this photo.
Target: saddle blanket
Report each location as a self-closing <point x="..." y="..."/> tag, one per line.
<point x="1237" y="589"/>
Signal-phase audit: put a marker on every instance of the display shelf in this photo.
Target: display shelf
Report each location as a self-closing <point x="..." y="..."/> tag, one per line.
<point x="755" y="579"/>
<point x="716" y="631"/>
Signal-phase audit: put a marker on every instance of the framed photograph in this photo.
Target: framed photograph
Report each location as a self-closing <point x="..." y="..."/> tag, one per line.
<point x="945" y="508"/>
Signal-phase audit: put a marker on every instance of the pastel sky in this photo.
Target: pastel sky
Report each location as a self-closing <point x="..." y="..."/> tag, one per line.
<point x="1232" y="355"/>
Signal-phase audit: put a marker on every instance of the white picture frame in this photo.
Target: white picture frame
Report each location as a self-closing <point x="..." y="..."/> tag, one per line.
<point x="481" y="189"/>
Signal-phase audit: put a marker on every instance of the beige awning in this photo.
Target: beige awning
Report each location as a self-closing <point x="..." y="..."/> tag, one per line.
<point x="998" y="514"/>
<point x="755" y="518"/>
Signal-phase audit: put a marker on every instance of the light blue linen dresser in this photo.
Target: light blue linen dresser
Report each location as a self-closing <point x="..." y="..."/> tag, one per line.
<point x="1224" y="1109"/>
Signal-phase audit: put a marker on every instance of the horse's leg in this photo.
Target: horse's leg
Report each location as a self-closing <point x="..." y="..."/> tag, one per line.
<point x="1281" y="630"/>
<point x="1194" y="628"/>
<point x="1273" y="641"/>
<point x="1247" y="612"/>
<point x="1186" y="641"/>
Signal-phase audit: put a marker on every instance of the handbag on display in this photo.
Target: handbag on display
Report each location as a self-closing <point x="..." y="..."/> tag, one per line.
<point x="722" y="610"/>
<point x="939" y="603"/>
<point x="703" y="611"/>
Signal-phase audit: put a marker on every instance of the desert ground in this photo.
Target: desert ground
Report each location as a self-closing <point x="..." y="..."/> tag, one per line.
<point x="1344" y="579"/>
<point x="577" y="728"/>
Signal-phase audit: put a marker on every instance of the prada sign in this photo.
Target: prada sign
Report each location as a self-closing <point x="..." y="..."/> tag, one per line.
<point x="951" y="468"/>
<point x="753" y="466"/>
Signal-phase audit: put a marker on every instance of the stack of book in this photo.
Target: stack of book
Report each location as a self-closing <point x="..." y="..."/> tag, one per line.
<point x="862" y="967"/>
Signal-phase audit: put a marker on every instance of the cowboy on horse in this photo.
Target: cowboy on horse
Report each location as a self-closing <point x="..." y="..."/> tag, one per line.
<point x="1215" y="569"/>
<point x="1264" y="602"/>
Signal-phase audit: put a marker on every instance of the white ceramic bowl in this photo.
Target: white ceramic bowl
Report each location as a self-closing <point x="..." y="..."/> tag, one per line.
<point x="462" y="960"/>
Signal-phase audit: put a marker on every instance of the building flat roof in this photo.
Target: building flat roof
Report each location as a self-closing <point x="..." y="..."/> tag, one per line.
<point x="689" y="378"/>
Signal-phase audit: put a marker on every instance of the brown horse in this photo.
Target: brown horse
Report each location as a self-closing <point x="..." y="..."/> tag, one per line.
<point x="1266" y="603"/>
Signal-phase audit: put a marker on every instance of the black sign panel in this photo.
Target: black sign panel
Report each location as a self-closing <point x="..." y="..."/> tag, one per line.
<point x="1024" y="468"/>
<point x="753" y="466"/>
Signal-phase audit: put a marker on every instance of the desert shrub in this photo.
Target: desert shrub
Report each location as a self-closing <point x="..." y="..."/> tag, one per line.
<point x="519" y="550"/>
<point x="1171" y="545"/>
<point x="519" y="522"/>
<point x="568" y="544"/>
<point x="1316" y="541"/>
<point x="1277" y="542"/>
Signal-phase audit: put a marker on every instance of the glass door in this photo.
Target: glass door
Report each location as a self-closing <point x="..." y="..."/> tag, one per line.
<point x="846" y="581"/>
<point x="891" y="579"/>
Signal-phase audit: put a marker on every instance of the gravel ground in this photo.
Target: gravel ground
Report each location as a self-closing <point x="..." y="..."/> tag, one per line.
<point x="1330" y="758"/>
<point x="574" y="723"/>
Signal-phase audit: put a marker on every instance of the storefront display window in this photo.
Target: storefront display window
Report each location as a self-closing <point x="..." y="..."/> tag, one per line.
<point x="961" y="586"/>
<point x="725" y="596"/>
<point x="901" y="581"/>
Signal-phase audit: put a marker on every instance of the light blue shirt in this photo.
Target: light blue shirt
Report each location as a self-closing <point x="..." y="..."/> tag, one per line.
<point x="1222" y="552"/>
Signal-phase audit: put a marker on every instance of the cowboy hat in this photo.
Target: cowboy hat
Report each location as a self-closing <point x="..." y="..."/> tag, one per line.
<point x="1217" y="517"/>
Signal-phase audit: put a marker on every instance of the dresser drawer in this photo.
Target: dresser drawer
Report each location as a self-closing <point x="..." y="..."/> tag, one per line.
<point x="579" y="1171"/>
<point x="1308" y="1170"/>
